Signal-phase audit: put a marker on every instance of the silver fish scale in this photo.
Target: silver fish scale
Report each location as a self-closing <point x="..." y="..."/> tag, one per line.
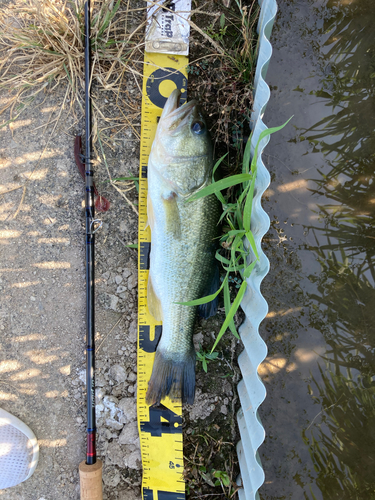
<point x="182" y="268"/>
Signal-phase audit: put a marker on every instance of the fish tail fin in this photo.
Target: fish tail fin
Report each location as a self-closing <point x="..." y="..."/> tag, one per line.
<point x="172" y="377"/>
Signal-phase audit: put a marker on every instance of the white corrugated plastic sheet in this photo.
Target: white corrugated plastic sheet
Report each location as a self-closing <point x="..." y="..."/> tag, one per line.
<point x="251" y="389"/>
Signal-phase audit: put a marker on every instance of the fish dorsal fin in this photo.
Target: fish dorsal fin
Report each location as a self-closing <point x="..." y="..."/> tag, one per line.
<point x="172" y="215"/>
<point x="153" y="302"/>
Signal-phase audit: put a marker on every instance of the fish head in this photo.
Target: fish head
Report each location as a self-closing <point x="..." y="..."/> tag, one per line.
<point x="182" y="150"/>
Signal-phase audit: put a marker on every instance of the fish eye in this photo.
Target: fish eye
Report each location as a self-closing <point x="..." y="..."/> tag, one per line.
<point x="198" y="127"/>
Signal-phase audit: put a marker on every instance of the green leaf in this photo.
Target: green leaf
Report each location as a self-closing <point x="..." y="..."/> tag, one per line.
<point x="220" y="258"/>
<point x="250" y="237"/>
<point x="239" y="216"/>
<point x="226" y="480"/>
<point x="249" y="269"/>
<point x="262" y="135"/>
<point x="217" y="164"/>
<point x="227" y="306"/>
<point x="232" y="269"/>
<point x="204" y="300"/>
<point x="204" y="365"/>
<point x="232" y="312"/>
<point x="222" y="476"/>
<point x="233" y="232"/>
<point x="68" y="75"/>
<point x="234" y="248"/>
<point x="222" y="21"/>
<point x="231" y="224"/>
<point x="223" y="260"/>
<point x="218" y="186"/>
<point x="10" y="121"/>
<point x="249" y="205"/>
<point x="108" y="17"/>
<point x="220" y="197"/>
<point x="243" y="194"/>
<point x="246" y="156"/>
<point x="226" y="212"/>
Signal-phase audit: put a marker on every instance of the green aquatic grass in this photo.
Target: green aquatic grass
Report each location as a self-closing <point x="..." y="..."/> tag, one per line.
<point x="237" y="241"/>
<point x="220" y="185"/>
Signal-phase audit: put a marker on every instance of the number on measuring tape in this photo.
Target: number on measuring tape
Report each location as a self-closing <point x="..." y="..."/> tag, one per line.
<point x="156" y="426"/>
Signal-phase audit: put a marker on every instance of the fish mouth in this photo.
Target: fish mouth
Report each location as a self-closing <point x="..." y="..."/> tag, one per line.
<point x="175" y="117"/>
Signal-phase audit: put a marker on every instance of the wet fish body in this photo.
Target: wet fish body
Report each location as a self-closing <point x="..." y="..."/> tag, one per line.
<point x="182" y="262"/>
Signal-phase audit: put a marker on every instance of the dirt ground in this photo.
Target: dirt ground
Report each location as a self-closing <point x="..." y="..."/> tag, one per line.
<point x="43" y="305"/>
<point x="42" y="313"/>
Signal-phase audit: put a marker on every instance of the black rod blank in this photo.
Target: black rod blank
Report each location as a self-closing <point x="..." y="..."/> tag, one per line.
<point x="90" y="241"/>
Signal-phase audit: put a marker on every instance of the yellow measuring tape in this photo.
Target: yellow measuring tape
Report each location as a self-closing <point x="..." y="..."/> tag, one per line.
<point x="160" y="427"/>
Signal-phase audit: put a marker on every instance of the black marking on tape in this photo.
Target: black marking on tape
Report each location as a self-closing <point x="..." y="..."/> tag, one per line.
<point x="145" y="341"/>
<point x="145" y="249"/>
<point x="156" y="427"/>
<point x="144" y="172"/>
<point x="170" y="495"/>
<point x="160" y="75"/>
<point x="148" y="494"/>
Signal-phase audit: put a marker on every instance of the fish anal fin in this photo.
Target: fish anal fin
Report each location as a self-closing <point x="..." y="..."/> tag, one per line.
<point x="153" y="302"/>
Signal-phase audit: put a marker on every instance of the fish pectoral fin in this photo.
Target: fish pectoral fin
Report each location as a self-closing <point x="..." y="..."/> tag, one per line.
<point x="172" y="214"/>
<point x="153" y="302"/>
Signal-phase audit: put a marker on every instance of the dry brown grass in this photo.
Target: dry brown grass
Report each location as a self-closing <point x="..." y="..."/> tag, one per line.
<point x="42" y="46"/>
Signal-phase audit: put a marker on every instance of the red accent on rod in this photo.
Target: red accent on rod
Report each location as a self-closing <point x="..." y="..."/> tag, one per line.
<point x="91" y="444"/>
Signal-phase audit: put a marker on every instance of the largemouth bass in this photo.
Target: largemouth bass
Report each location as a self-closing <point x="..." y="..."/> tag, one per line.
<point x="182" y="259"/>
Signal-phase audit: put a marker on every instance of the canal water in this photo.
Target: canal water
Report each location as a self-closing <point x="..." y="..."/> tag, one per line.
<point x="319" y="413"/>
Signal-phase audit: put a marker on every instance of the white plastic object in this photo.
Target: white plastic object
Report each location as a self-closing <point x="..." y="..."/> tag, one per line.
<point x="251" y="389"/>
<point x="19" y="450"/>
<point x="168" y="28"/>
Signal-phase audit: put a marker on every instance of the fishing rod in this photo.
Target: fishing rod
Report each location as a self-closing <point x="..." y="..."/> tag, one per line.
<point x="90" y="470"/>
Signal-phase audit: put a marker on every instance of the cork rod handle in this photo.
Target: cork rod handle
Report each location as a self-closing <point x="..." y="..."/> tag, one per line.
<point x="91" y="480"/>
